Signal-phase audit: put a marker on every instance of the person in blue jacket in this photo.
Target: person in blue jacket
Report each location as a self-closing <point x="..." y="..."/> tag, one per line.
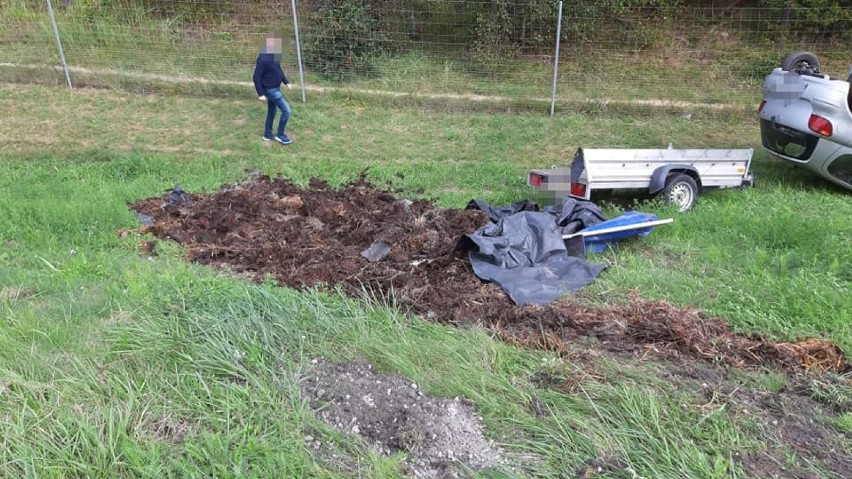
<point x="268" y="77"/>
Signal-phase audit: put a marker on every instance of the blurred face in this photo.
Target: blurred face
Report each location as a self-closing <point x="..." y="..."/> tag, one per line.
<point x="273" y="45"/>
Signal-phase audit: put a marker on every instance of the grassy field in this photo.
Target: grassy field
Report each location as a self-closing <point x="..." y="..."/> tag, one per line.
<point x="114" y="364"/>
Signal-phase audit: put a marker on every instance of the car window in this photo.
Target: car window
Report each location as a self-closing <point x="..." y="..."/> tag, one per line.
<point x="841" y="168"/>
<point x="787" y="141"/>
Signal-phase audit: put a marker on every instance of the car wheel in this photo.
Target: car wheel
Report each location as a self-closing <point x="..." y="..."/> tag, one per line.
<point x="801" y="62"/>
<point x="681" y="191"/>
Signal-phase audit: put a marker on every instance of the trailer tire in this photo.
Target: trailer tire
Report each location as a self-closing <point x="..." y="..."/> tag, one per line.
<point x="801" y="62"/>
<point x="682" y="191"/>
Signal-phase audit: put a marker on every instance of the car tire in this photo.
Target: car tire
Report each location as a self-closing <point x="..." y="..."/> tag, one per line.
<point x="798" y="60"/>
<point x="681" y="191"/>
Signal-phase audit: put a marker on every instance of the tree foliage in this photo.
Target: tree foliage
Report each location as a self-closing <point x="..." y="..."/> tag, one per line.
<point x="345" y="35"/>
<point x="811" y="19"/>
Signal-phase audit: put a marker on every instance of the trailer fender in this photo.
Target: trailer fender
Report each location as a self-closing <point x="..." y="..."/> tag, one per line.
<point x="659" y="176"/>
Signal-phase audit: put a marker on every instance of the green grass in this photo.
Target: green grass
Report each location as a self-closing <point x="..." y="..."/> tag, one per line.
<point x="770" y="260"/>
<point x="116" y="365"/>
<point x="845" y="423"/>
<point x="783" y="245"/>
<point x="158" y="391"/>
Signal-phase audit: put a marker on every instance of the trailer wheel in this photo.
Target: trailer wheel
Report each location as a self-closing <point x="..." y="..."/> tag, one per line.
<point x="681" y="191"/>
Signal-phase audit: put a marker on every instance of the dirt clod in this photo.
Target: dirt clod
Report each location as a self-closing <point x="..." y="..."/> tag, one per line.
<point x="166" y="428"/>
<point x="11" y="293"/>
<point x="312" y="236"/>
<point x="441" y="437"/>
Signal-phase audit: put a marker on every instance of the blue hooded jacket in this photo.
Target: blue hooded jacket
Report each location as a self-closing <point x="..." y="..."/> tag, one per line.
<point x="268" y="73"/>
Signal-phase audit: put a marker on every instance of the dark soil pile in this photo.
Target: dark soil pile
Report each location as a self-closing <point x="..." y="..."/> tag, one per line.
<point x="315" y="236"/>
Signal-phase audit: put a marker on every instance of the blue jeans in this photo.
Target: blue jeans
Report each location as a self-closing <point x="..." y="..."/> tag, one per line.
<point x="274" y="101"/>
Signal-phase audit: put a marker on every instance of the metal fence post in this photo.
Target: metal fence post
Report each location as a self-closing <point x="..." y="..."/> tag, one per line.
<point x="556" y="58"/>
<point x="298" y="49"/>
<point x="59" y="44"/>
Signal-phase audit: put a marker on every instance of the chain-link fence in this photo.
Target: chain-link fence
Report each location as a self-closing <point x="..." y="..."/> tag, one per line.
<point x="644" y="52"/>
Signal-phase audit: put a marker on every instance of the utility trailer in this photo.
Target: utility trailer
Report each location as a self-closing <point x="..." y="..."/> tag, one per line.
<point x="678" y="175"/>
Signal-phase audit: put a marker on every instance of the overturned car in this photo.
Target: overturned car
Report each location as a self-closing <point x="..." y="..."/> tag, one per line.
<point x="806" y="118"/>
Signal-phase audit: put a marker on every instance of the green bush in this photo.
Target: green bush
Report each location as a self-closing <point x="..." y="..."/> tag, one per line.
<point x="343" y="37"/>
<point x="630" y="24"/>
<point x="507" y="27"/>
<point x="754" y="66"/>
<point x="808" y="19"/>
<point x="494" y="46"/>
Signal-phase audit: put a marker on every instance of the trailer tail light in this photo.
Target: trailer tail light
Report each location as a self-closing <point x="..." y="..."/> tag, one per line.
<point x="760" y="108"/>
<point x="536" y="179"/>
<point x="820" y="125"/>
<point x="578" y="189"/>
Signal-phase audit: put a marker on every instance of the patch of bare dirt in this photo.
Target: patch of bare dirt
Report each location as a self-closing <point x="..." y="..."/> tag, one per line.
<point x="164" y="428"/>
<point x="440" y="437"/>
<point x="792" y="419"/>
<point x="314" y="236"/>
<point x="601" y="466"/>
<point x="16" y="293"/>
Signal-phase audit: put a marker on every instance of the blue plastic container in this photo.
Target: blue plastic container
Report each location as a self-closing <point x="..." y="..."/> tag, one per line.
<point x="599" y="244"/>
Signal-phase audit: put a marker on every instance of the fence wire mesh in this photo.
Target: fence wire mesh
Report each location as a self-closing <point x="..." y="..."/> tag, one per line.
<point x="648" y="52"/>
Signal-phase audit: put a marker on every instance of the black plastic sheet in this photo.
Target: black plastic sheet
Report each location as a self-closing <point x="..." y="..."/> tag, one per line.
<point x="573" y="215"/>
<point x="523" y="252"/>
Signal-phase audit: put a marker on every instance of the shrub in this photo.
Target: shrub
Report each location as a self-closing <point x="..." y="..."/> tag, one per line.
<point x="493" y="46"/>
<point x="508" y="26"/>
<point x="811" y="19"/>
<point x="343" y="37"/>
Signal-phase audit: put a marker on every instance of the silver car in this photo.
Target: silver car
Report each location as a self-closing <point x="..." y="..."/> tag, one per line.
<point x="806" y="118"/>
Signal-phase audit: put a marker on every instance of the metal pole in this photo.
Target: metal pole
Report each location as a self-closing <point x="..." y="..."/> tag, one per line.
<point x="59" y="44"/>
<point x="556" y="59"/>
<point x="298" y="49"/>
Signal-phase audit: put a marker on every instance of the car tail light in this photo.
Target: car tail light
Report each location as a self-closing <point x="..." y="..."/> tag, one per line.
<point x="578" y="189"/>
<point x="535" y="180"/>
<point x="760" y="108"/>
<point x="820" y="125"/>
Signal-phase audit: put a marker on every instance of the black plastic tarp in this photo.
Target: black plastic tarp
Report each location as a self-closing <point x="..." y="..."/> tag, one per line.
<point x="572" y="215"/>
<point x="523" y="251"/>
